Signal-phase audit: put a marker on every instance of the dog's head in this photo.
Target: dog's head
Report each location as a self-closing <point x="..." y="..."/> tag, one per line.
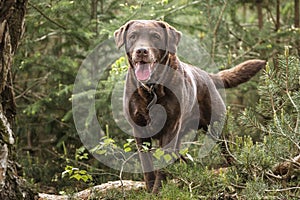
<point x="148" y="44"/>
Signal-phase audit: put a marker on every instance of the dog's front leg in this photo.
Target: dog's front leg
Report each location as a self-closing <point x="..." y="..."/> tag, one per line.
<point x="146" y="161"/>
<point x="170" y="144"/>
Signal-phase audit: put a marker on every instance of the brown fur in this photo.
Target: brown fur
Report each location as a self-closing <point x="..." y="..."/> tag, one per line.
<point x="239" y="74"/>
<point x="151" y="47"/>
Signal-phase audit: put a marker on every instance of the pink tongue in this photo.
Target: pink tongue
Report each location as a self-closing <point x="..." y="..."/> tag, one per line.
<point x="142" y="71"/>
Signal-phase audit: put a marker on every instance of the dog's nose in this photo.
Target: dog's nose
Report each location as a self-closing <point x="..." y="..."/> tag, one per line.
<point x="142" y="52"/>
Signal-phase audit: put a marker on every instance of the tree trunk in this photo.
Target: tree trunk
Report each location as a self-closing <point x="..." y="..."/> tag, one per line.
<point x="297" y="24"/>
<point x="297" y="17"/>
<point x="94" y="14"/>
<point x="12" y="14"/>
<point x="277" y="25"/>
<point x="259" y="14"/>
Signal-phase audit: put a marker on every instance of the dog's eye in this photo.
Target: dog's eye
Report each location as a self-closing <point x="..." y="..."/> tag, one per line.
<point x="156" y="36"/>
<point x="132" y="36"/>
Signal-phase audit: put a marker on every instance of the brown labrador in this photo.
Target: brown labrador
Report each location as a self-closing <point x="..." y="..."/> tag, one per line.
<point x="187" y="94"/>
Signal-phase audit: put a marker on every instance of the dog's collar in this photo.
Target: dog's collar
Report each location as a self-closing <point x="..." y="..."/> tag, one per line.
<point x="154" y="100"/>
<point x="150" y="90"/>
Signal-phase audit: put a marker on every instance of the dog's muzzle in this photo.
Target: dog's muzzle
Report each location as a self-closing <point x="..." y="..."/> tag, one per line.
<point x="143" y="70"/>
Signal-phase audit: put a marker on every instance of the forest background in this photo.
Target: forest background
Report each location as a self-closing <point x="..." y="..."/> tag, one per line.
<point x="263" y="118"/>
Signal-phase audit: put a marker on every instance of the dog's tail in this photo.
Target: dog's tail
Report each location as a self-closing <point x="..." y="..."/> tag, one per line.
<point x="239" y="74"/>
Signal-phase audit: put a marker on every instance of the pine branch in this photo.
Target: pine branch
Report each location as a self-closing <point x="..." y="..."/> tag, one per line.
<point x="46" y="17"/>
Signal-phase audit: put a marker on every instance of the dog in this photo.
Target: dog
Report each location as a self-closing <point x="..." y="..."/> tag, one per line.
<point x="188" y="95"/>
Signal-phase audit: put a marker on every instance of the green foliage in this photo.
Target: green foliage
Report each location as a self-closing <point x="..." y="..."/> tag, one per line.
<point x="75" y="173"/>
<point x="128" y="146"/>
<point x="81" y="154"/>
<point x="116" y="75"/>
<point x="107" y="146"/>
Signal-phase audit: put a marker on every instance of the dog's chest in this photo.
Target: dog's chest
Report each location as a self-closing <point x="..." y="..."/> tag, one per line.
<point x="142" y="101"/>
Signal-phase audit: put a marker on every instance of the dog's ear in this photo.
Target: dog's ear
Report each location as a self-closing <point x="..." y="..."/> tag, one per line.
<point x="173" y="37"/>
<point x="120" y="34"/>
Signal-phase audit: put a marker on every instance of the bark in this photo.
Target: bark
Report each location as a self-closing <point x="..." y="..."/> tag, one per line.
<point x="259" y="14"/>
<point x="94" y="14"/>
<point x="94" y="5"/>
<point x="297" y="23"/>
<point x="97" y="192"/>
<point x="12" y="14"/>
<point x="277" y="25"/>
<point x="297" y="17"/>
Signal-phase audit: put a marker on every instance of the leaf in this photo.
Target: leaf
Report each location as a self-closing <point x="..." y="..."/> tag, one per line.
<point x="129" y="141"/>
<point x="82" y="172"/>
<point x="158" y="154"/>
<point x="184" y="151"/>
<point x="167" y="157"/>
<point x="101" y="151"/>
<point x="64" y="173"/>
<point x="189" y="157"/>
<point x="108" y="141"/>
<point x="146" y="143"/>
<point x="76" y="176"/>
<point x="68" y="168"/>
<point x="127" y="149"/>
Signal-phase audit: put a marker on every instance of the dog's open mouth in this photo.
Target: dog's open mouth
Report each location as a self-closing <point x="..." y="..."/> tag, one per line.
<point x="143" y="70"/>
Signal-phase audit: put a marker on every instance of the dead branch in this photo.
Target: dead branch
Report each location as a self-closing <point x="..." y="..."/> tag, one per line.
<point x="96" y="191"/>
<point x="285" y="169"/>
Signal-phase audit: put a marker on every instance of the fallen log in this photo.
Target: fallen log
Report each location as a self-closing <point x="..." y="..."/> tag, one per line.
<point x="96" y="190"/>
